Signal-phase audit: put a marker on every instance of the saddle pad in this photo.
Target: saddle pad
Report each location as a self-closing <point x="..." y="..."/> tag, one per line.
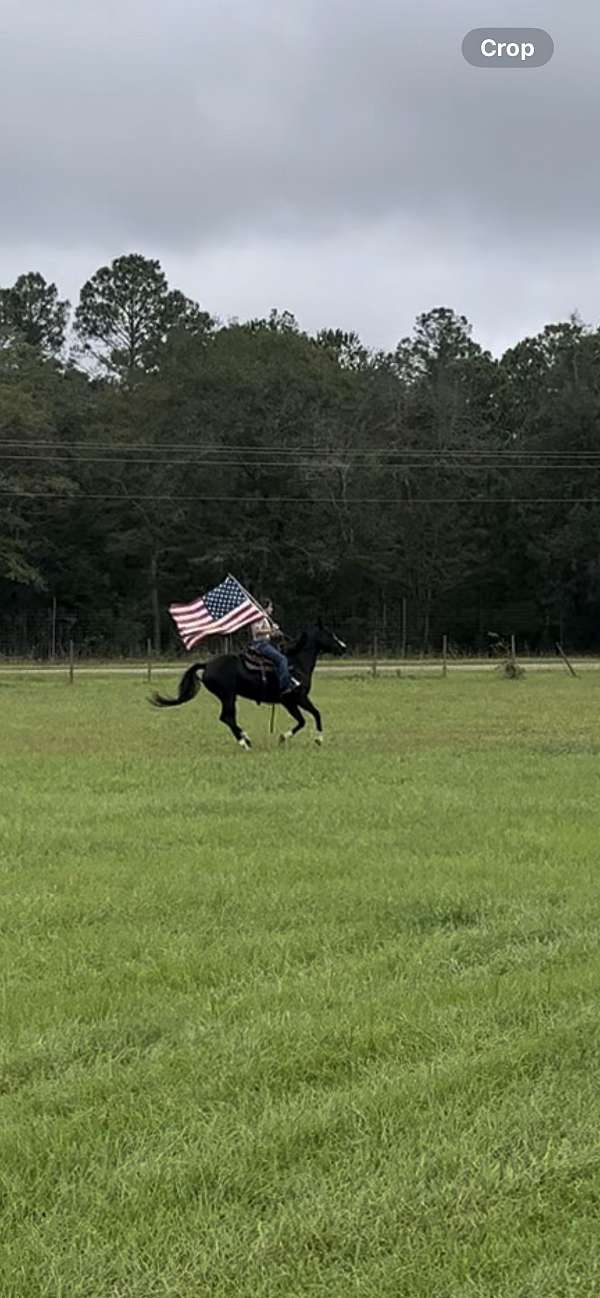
<point x="255" y="662"/>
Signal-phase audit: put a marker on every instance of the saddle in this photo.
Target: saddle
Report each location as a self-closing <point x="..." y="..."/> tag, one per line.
<point x="254" y="661"/>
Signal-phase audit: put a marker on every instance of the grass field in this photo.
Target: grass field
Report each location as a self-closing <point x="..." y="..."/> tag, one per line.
<point x="301" y="1023"/>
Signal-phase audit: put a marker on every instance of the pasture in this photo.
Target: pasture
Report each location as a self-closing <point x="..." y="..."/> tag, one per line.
<point x="301" y="1023"/>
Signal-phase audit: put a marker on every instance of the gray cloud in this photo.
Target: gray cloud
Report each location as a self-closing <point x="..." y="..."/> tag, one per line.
<point x="339" y="157"/>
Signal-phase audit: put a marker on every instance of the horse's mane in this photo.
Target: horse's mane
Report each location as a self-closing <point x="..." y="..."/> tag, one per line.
<point x="295" y="646"/>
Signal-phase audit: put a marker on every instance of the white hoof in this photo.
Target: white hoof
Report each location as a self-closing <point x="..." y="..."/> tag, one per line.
<point x="319" y="740"/>
<point x="283" y="739"/>
<point x="245" y="744"/>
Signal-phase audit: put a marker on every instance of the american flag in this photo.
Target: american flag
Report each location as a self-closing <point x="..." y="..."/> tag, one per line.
<point x="222" y="611"/>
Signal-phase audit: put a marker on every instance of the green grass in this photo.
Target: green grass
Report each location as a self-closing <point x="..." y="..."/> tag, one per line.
<point x="301" y="1023"/>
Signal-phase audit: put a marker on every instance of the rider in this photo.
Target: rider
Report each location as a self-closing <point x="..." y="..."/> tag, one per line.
<point x="262" y="632"/>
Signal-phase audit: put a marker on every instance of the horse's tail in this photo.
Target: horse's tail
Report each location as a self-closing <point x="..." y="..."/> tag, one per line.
<point x="188" y="689"/>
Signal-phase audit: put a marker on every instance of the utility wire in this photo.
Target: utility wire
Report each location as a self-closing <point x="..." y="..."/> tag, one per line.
<point x="267" y="465"/>
<point x="303" y="460"/>
<point x="65" y="448"/>
<point x="311" y="500"/>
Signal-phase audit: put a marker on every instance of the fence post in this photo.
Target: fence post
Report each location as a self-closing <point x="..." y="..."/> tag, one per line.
<point x="445" y="656"/>
<point x="149" y="659"/>
<point x="565" y="659"/>
<point x="513" y="648"/>
<point x="71" y="663"/>
<point x="404" y="627"/>
<point x="53" y="636"/>
<point x="374" y="663"/>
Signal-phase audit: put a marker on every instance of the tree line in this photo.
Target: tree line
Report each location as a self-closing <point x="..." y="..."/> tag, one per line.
<point x="147" y="449"/>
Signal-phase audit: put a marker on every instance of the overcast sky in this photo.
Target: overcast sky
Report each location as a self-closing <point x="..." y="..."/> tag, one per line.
<point x="335" y="158"/>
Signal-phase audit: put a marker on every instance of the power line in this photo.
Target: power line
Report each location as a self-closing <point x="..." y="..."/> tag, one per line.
<point x="487" y="467"/>
<point x="314" y="449"/>
<point x="311" y="500"/>
<point x="302" y="459"/>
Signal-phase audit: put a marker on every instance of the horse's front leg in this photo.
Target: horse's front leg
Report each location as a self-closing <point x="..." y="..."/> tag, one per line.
<point x="296" y="715"/>
<point x="314" y="712"/>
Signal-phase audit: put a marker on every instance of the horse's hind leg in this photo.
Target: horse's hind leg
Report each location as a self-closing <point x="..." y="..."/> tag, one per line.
<point x="228" y="717"/>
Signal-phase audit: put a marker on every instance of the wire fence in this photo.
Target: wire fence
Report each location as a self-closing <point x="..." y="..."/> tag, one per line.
<point x="56" y="635"/>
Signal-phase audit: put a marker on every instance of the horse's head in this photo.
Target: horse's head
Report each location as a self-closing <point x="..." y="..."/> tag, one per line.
<point x="328" y="642"/>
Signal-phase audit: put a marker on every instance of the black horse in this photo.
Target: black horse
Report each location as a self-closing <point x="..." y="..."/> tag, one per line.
<point x="229" y="676"/>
